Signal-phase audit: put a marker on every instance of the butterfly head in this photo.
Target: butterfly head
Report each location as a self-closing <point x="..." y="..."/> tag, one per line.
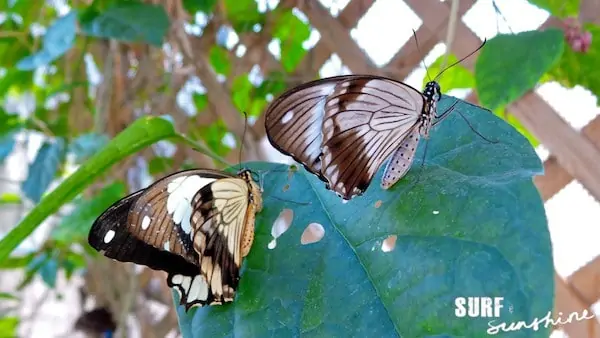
<point x="432" y="91"/>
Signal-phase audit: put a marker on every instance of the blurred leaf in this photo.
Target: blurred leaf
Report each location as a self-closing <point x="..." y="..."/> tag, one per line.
<point x="75" y="227"/>
<point x="71" y="262"/>
<point x="475" y="225"/>
<point x="9" y="198"/>
<point x="200" y="101"/>
<point x="205" y="6"/>
<point x="257" y="106"/>
<point x="49" y="271"/>
<point x="86" y="145"/>
<point x="15" y="81"/>
<point x="241" y="92"/>
<point x="128" y="21"/>
<point x="455" y="77"/>
<point x="32" y="268"/>
<point x="58" y="40"/>
<point x="141" y="133"/>
<point x="559" y="8"/>
<point x="7" y="143"/>
<point x="8" y="122"/>
<point x="274" y="84"/>
<point x="8" y="327"/>
<point x="243" y="14"/>
<point x="219" y="60"/>
<point x="17" y="262"/>
<point x="5" y="295"/>
<point x="13" y="47"/>
<point x="580" y="68"/>
<point x="213" y="135"/>
<point x="512" y="64"/>
<point x="43" y="169"/>
<point x="291" y="32"/>
<point x="159" y="165"/>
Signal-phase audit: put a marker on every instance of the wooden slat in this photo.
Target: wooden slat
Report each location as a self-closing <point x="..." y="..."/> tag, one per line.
<point x="567" y="302"/>
<point x="555" y="177"/>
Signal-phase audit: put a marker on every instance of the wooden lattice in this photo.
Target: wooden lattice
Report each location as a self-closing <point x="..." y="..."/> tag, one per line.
<point x="574" y="155"/>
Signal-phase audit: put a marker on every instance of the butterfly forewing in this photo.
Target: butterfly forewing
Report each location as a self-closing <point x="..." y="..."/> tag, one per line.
<point x="365" y="120"/>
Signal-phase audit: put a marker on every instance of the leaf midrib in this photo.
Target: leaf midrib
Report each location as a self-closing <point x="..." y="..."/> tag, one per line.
<point x="355" y="253"/>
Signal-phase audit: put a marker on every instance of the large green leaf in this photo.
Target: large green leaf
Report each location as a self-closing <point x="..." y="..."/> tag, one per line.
<point x="58" y="40"/>
<point x="129" y="21"/>
<point x="455" y="77"/>
<point x="559" y="8"/>
<point x="43" y="169"/>
<point x="474" y="225"/>
<point x="512" y="64"/>
<point x="580" y="68"/>
<point x="138" y="135"/>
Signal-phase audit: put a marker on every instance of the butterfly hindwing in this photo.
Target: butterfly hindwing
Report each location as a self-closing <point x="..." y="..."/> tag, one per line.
<point x="401" y="161"/>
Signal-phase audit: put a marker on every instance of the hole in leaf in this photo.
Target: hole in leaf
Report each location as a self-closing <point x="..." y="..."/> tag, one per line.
<point x="389" y="243"/>
<point x="378" y="203"/>
<point x="435" y="212"/>
<point x="282" y="224"/>
<point x="313" y="233"/>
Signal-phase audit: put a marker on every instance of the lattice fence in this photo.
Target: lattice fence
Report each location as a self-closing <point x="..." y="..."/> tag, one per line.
<point x="574" y="155"/>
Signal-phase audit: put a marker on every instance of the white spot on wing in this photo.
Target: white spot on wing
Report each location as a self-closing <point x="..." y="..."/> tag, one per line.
<point x="145" y="222"/>
<point x="287" y="117"/>
<point x="166" y="246"/>
<point x="110" y="234"/>
<point x="181" y="192"/>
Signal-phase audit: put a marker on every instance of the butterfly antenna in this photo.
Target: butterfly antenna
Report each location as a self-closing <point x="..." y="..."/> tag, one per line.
<point x="419" y="50"/>
<point x="243" y="139"/>
<point x="461" y="60"/>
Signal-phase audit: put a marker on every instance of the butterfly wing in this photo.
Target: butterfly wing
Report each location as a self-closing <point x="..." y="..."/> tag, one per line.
<point x="343" y="128"/>
<point x="402" y="160"/>
<point x="222" y="221"/>
<point x="294" y="121"/>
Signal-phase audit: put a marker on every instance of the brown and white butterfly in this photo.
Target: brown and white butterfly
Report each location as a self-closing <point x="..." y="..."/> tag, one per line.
<point x="197" y="225"/>
<point x="343" y="128"/>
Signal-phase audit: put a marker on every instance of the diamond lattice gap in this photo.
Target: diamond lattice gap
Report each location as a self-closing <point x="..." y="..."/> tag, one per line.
<point x="385" y="28"/>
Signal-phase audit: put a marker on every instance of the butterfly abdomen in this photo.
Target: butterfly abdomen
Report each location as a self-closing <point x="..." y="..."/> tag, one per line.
<point x="401" y="161"/>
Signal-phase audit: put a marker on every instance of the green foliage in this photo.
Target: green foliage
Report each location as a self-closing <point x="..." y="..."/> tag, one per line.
<point x="219" y="60"/>
<point x="243" y="14"/>
<point x="57" y="41"/>
<point x="159" y="165"/>
<point x="205" y="6"/>
<point x="241" y="93"/>
<point x="129" y="21"/>
<point x="7" y="143"/>
<point x="43" y="169"/>
<point x="580" y="68"/>
<point x="292" y="33"/>
<point x="76" y="226"/>
<point x="86" y="145"/>
<point x="8" y="326"/>
<point x="474" y="225"/>
<point x="512" y="64"/>
<point x="142" y="133"/>
<point x="9" y="198"/>
<point x="212" y="135"/>
<point x="559" y="8"/>
<point x="455" y="77"/>
<point x="200" y="101"/>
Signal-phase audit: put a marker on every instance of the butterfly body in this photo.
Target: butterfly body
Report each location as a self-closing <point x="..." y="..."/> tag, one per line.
<point x="197" y="225"/>
<point x="343" y="128"/>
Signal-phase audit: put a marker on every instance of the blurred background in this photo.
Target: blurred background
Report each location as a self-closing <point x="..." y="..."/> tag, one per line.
<point x="69" y="85"/>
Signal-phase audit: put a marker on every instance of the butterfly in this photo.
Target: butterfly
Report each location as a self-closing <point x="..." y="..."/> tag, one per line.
<point x="343" y="128"/>
<point x="197" y="225"/>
